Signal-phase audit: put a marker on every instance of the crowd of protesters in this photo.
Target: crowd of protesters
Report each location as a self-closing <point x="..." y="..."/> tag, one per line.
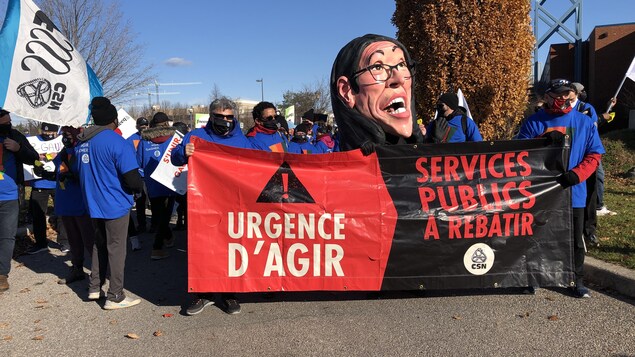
<point x="97" y="176"/>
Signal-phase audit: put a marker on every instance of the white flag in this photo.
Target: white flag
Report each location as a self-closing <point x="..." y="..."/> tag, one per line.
<point x="42" y="76"/>
<point x="631" y="70"/>
<point x="463" y="103"/>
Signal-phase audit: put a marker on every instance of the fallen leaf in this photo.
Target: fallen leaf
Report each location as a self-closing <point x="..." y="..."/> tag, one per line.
<point x="38" y="338"/>
<point x="526" y="314"/>
<point x="158" y="333"/>
<point x="39" y="283"/>
<point x="20" y="265"/>
<point x="7" y="338"/>
<point x="39" y="307"/>
<point x="457" y="317"/>
<point x="549" y="298"/>
<point x="168" y="315"/>
<point x="25" y="290"/>
<point x="132" y="336"/>
<point x="38" y="329"/>
<point x="113" y="322"/>
<point x="553" y="318"/>
<point x="37" y="321"/>
<point x="41" y="301"/>
<point x="4" y="325"/>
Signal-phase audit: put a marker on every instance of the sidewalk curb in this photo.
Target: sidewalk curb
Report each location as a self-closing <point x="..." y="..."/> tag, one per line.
<point x="610" y="276"/>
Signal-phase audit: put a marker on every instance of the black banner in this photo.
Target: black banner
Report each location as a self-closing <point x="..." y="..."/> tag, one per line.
<point x="478" y="215"/>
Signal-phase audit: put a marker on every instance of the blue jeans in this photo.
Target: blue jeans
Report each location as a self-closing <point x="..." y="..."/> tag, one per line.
<point x="8" y="228"/>
<point x="600" y="185"/>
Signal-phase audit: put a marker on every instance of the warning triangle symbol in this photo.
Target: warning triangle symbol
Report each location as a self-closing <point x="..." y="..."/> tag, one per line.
<point x="284" y="187"/>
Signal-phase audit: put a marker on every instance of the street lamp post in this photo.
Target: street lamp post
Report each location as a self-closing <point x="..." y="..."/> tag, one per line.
<point x="262" y="91"/>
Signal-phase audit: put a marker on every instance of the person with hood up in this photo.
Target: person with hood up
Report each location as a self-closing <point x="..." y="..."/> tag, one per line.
<point x="325" y="143"/>
<point x="300" y="143"/>
<point x="461" y="128"/>
<point x="222" y="128"/>
<point x="264" y="135"/>
<point x="154" y="142"/>
<point x="109" y="175"/>
<point x="371" y="94"/>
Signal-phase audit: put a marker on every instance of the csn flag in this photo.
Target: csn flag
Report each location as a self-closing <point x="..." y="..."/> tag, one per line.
<point x="42" y="76"/>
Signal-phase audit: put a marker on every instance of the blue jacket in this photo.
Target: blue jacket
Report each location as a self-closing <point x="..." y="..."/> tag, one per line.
<point x="235" y="138"/>
<point x="302" y="148"/>
<point x="154" y="142"/>
<point x="274" y="142"/>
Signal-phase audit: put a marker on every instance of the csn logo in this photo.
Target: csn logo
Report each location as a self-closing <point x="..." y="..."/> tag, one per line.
<point x="479" y="259"/>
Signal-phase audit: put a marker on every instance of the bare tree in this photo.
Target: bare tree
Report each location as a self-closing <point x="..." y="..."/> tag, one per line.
<point x="316" y="96"/>
<point x="215" y="94"/>
<point x="105" y="39"/>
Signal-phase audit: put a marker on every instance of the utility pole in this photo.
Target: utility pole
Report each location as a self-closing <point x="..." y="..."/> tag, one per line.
<point x="262" y="91"/>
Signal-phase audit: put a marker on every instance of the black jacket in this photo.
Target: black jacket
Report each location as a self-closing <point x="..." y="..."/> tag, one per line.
<point x="26" y="154"/>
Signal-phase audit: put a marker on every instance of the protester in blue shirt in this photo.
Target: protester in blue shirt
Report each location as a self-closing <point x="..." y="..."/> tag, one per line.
<point x="109" y="175"/>
<point x="15" y="150"/>
<point x="300" y="143"/>
<point x="41" y="190"/>
<point x="222" y="128"/>
<point x="154" y="143"/>
<point x="324" y="141"/>
<point x="140" y="200"/>
<point x="69" y="204"/>
<point x="461" y="128"/>
<point x="584" y="157"/>
<point x="264" y="135"/>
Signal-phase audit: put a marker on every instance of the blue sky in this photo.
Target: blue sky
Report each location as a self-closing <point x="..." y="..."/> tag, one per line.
<point x="288" y="43"/>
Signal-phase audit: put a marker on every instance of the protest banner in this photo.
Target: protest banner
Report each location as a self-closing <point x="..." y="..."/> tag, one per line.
<point x="42" y="75"/>
<point x="170" y="176"/>
<point x="465" y="215"/>
<point x="48" y="150"/>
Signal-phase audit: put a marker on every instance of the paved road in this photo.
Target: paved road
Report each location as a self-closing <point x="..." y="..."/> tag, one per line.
<point x="38" y="317"/>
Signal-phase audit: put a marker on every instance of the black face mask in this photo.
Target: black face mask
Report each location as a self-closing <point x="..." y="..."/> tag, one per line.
<point x="222" y="126"/>
<point x="270" y="124"/>
<point x="440" y="109"/>
<point x="68" y="142"/>
<point x="300" y="138"/>
<point x="47" y="137"/>
<point x="5" y="129"/>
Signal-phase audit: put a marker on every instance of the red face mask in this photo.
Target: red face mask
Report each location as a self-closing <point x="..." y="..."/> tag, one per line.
<point x="560" y="106"/>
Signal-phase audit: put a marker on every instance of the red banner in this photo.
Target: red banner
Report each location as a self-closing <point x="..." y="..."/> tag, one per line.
<point x="261" y="221"/>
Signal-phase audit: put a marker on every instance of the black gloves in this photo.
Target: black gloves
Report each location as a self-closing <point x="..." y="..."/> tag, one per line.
<point x="367" y="147"/>
<point x="440" y="130"/>
<point x="568" y="179"/>
<point x="40" y="171"/>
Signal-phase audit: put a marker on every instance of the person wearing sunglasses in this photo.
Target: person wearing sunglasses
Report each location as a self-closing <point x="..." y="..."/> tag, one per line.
<point x="264" y="135"/>
<point x="371" y="94"/>
<point x="222" y="128"/>
<point x="558" y="117"/>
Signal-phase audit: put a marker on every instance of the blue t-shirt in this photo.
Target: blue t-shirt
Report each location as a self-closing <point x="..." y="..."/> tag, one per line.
<point x="587" y="109"/>
<point x="101" y="162"/>
<point x="584" y="140"/>
<point x="302" y="148"/>
<point x="68" y="194"/>
<point x="148" y="157"/>
<point x="135" y="139"/>
<point x="235" y="138"/>
<point x="8" y="174"/>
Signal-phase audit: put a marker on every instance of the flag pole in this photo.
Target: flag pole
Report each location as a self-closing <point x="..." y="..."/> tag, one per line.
<point x="630" y="69"/>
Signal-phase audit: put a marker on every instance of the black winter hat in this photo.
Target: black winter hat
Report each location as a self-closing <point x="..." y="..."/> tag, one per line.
<point x="450" y="99"/>
<point x="103" y="111"/>
<point x="142" y="121"/>
<point x="49" y="127"/>
<point x="159" y="117"/>
<point x="305" y="128"/>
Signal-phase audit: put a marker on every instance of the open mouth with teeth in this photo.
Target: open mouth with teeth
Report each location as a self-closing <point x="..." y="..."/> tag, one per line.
<point x="396" y="106"/>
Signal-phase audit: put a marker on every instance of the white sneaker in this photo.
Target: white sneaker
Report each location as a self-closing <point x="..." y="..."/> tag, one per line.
<point x="96" y="295"/>
<point x="603" y="211"/>
<point x="134" y="242"/>
<point x="126" y="302"/>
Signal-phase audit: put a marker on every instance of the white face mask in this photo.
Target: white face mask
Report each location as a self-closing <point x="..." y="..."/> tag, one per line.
<point x="170" y="122"/>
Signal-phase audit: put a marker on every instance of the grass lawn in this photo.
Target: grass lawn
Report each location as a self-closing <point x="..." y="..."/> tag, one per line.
<point x="617" y="233"/>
